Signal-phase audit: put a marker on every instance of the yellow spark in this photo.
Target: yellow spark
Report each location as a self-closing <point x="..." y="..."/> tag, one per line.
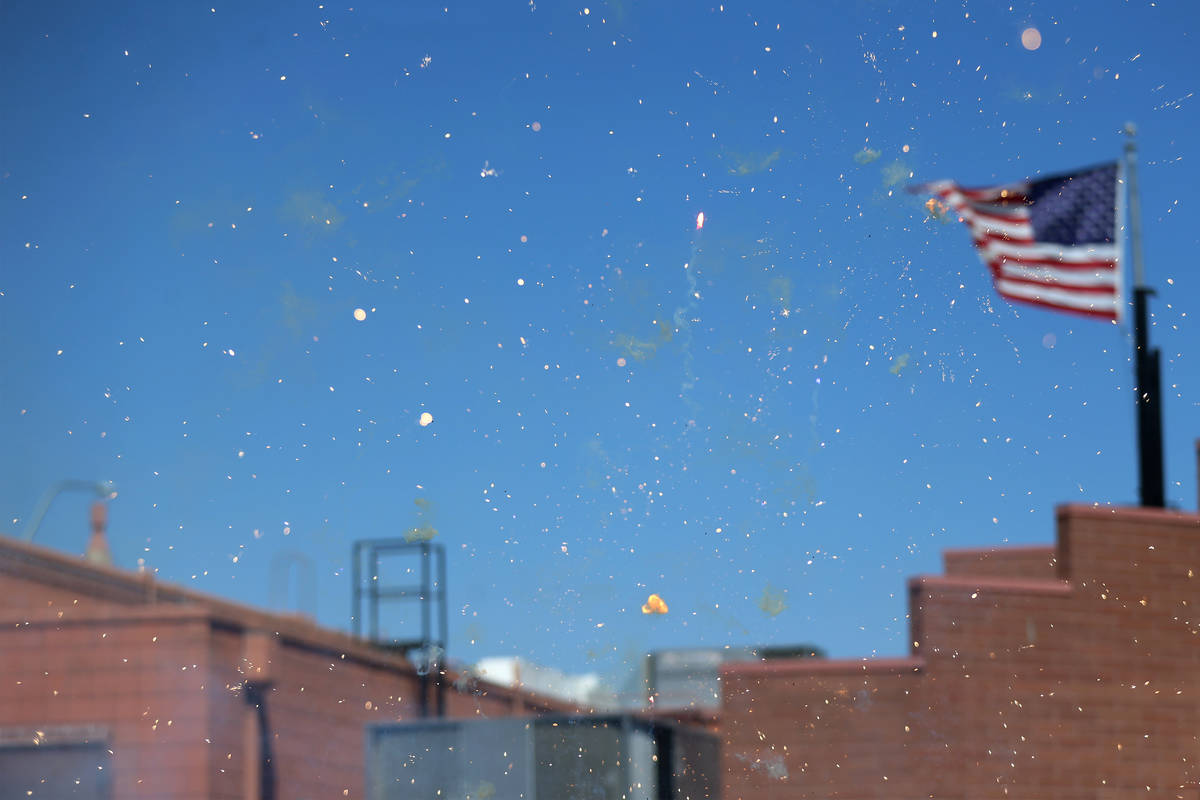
<point x="654" y="605"/>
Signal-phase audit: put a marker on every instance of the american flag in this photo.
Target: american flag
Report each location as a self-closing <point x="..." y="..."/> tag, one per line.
<point x="1051" y="242"/>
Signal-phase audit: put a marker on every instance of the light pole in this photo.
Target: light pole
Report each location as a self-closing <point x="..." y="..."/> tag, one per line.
<point x="102" y="490"/>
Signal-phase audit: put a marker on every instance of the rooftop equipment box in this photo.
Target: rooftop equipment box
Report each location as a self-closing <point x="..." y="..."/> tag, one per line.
<point x="544" y="758"/>
<point x="691" y="677"/>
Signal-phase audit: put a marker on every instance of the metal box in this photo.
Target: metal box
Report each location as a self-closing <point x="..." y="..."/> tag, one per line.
<point x="690" y="678"/>
<point x="544" y="758"/>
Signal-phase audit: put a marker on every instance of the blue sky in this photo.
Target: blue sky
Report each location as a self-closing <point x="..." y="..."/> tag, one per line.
<point x="197" y="198"/>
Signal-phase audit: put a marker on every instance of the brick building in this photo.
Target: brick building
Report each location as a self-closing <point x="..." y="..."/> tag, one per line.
<point x="1069" y="672"/>
<point x="113" y="684"/>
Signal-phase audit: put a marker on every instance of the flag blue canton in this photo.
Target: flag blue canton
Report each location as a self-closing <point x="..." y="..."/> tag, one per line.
<point x="1074" y="209"/>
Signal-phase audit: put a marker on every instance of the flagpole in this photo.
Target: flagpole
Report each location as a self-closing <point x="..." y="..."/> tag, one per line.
<point x="1148" y="381"/>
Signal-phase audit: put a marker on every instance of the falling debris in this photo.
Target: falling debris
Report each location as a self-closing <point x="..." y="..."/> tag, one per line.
<point x="423" y="530"/>
<point x="643" y="349"/>
<point x="937" y="209"/>
<point x="700" y="221"/>
<point x="866" y="156"/>
<point x="360" y="314"/>
<point x="753" y="163"/>
<point x="421" y="533"/>
<point x="895" y="173"/>
<point x="772" y="602"/>
<point x="425" y="419"/>
<point x="654" y="605"/>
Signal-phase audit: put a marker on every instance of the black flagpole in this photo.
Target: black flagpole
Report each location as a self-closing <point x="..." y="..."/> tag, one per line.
<point x="1147" y="379"/>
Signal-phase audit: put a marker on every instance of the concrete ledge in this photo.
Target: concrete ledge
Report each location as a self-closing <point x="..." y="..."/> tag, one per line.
<point x="51" y="735"/>
<point x="1157" y="516"/>
<point x="815" y="666"/>
<point x="1001" y="550"/>
<point x="990" y="584"/>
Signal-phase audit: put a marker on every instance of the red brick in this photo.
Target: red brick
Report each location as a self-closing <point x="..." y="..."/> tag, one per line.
<point x="1026" y="687"/>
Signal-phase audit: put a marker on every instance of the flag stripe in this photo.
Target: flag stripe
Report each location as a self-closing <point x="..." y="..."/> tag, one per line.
<point x="987" y="237"/>
<point x="1082" y="291"/>
<point x="1050" y="254"/>
<point x="991" y="212"/>
<point x="1103" y="312"/>
<point x="1105" y="279"/>
<point x="988" y="213"/>
<point x="1013" y="224"/>
<point x="999" y="259"/>
<point x="1097" y="314"/>
<point x="1006" y="257"/>
<point x="1002" y="228"/>
<point x="1058" y="299"/>
<point x="1011" y="193"/>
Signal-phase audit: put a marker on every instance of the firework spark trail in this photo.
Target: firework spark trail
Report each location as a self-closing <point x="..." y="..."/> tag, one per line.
<point x="812" y="418"/>
<point x="684" y="316"/>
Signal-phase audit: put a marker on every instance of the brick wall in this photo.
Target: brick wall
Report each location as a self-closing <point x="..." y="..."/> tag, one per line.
<point x="1071" y="673"/>
<point x="1012" y="562"/>
<point x="164" y="672"/>
<point x="805" y="726"/>
<point x="319" y="701"/>
<point x="140" y="677"/>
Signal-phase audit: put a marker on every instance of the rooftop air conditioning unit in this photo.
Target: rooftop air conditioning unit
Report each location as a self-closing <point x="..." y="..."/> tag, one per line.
<point x="544" y="758"/>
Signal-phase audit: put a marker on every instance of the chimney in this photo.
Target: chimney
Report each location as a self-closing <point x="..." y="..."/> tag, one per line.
<point x="97" y="549"/>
